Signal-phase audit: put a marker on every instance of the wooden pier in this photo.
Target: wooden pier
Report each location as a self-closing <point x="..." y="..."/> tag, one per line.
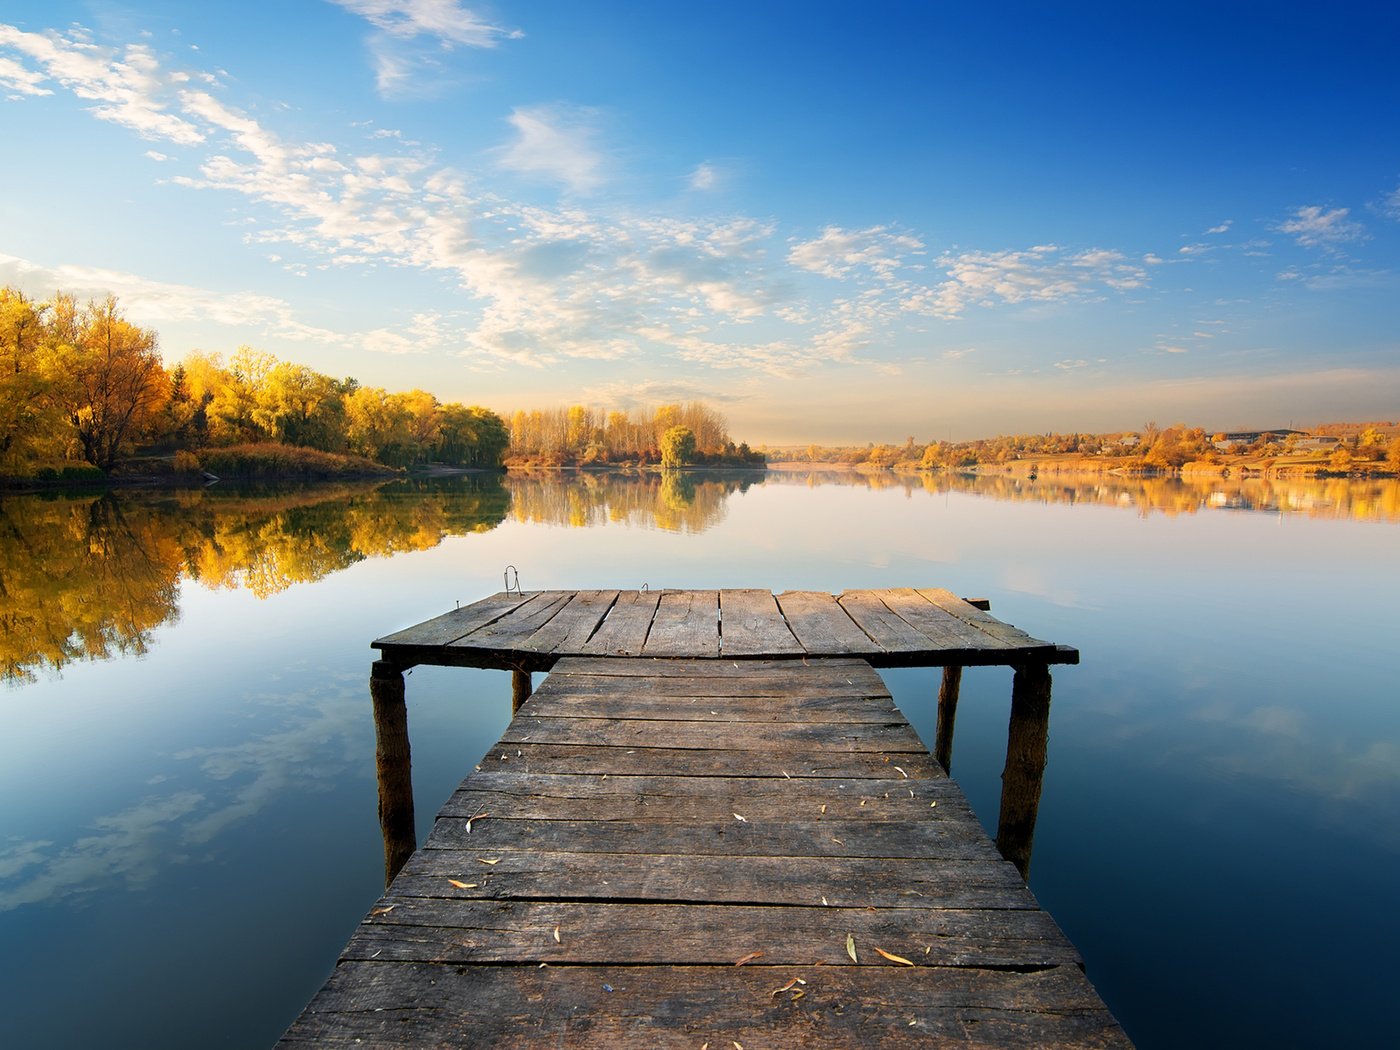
<point x="710" y="825"/>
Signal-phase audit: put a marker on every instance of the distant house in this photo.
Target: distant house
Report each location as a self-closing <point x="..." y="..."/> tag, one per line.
<point x="1317" y="443"/>
<point x="1230" y="439"/>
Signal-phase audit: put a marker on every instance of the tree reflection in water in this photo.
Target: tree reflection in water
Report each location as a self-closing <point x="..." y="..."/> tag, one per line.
<point x="91" y="577"/>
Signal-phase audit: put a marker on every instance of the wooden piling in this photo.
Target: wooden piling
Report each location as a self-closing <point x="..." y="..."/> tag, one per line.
<point x="393" y="765"/>
<point x="947" y="715"/>
<point x="521" y="686"/>
<point x="1027" y="739"/>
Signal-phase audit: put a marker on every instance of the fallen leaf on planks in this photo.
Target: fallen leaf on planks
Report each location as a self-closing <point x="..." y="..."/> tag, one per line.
<point x="483" y="860"/>
<point x="478" y="816"/>
<point x="824" y="904"/>
<point x="556" y="935"/>
<point x="788" y="987"/>
<point x="894" y="958"/>
<point x="748" y="958"/>
<point x="851" y="947"/>
<point x="742" y="820"/>
<point x="823" y="807"/>
<point x="902" y="773"/>
<point x="463" y="885"/>
<point x="384" y="911"/>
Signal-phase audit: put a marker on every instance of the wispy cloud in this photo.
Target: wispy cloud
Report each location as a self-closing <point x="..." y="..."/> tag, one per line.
<point x="704" y="177"/>
<point x="1041" y="274"/>
<point x="408" y="31"/>
<point x="1224" y="227"/>
<point x="538" y="284"/>
<point x="557" y="144"/>
<point x="837" y="253"/>
<point x="1314" y="227"/>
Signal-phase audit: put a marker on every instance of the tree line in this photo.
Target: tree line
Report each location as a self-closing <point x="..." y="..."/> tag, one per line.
<point x="79" y="381"/>
<point x="676" y="435"/>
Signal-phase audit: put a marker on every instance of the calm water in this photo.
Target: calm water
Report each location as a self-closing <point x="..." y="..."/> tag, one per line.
<point x="188" y="833"/>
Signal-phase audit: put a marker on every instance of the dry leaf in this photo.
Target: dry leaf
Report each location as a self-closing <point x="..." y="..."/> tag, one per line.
<point x="787" y="774"/>
<point x="824" y="904"/>
<point x="851" y="948"/>
<point x="901" y="770"/>
<point x="384" y="911"/>
<point x="463" y="885"/>
<point x="798" y="995"/>
<point x="789" y="986"/>
<point x="737" y="1046"/>
<point x="556" y="935"/>
<point x="862" y="802"/>
<point x="823" y="807"/>
<point x="744" y="820"/>
<point x="748" y="958"/>
<point x="894" y="958"/>
<point x="483" y="860"/>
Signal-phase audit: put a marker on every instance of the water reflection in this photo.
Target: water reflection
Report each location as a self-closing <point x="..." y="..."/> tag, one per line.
<point x="91" y="577"/>
<point x="677" y="501"/>
<point x="1358" y="500"/>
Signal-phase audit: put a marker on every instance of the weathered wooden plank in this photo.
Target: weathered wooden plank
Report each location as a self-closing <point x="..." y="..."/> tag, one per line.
<point x="741" y="670"/>
<point x="953" y="839"/>
<point x="717" y="733"/>
<point x="453" y="625"/>
<point x="615" y="761"/>
<point x="866" y="1007"/>
<point x="538" y="796"/>
<point x="624" y="631"/>
<point x="821" y="625"/>
<point x="751" y="624"/>
<point x="886" y="628"/>
<point x="978" y="619"/>
<point x="942" y="628"/>
<point x="693" y="705"/>
<point x="686" y="624"/>
<point x="570" y="629"/>
<point x="884" y="882"/>
<point x="438" y="929"/>
<point x="514" y="628"/>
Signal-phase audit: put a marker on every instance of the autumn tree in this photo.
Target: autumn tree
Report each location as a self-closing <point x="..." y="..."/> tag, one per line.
<point x="117" y="383"/>
<point x="678" y="447"/>
<point x="29" y="420"/>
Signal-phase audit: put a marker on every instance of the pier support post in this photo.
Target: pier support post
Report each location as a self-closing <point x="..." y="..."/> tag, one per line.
<point x="521" y="686"/>
<point x="393" y="766"/>
<point x="1026" y="741"/>
<point x="947" y="715"/>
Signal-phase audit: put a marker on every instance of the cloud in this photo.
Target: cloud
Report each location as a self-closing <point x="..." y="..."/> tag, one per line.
<point x="407" y="33"/>
<point x="1071" y="365"/>
<point x="628" y="395"/>
<point x="537" y="284"/>
<point x="1315" y="228"/>
<point x="446" y="20"/>
<point x="1224" y="227"/>
<point x="1040" y="274"/>
<point x="704" y="177"/>
<point x="1390" y="206"/>
<point x="126" y="88"/>
<point x="837" y="253"/>
<point x="556" y="144"/>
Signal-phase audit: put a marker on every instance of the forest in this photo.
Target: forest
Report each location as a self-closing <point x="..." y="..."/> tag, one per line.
<point x="80" y="383"/>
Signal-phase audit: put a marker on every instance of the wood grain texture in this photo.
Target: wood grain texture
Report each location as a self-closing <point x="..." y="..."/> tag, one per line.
<point x="643" y="825"/>
<point x="753" y="625"/>
<point x="844" y="1007"/>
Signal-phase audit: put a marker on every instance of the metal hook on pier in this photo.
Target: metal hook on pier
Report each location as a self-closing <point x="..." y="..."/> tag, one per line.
<point x="512" y="587"/>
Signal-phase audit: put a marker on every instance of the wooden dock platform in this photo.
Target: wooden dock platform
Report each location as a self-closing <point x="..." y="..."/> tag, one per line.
<point x="670" y="851"/>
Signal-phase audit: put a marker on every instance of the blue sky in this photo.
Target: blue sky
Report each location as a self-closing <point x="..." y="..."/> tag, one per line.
<point x="835" y="222"/>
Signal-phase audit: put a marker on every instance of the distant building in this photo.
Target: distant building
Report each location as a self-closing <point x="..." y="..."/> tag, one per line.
<point x="1229" y="439"/>
<point x="1317" y="443"/>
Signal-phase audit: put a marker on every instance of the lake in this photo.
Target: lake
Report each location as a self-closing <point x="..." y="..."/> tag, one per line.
<point x="189" y="832"/>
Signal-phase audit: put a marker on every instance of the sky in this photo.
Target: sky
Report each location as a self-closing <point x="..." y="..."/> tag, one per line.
<point x="836" y="223"/>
